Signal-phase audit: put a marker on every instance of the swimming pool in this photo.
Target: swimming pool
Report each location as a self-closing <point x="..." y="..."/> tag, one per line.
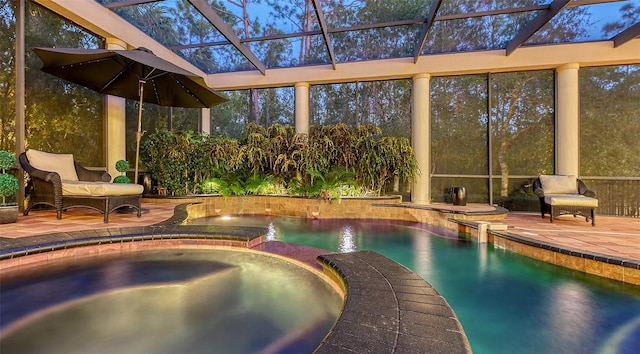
<point x="506" y="302"/>
<point x="168" y="301"/>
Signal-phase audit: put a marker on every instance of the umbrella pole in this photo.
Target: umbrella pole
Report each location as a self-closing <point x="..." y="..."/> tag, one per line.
<point x="139" y="131"/>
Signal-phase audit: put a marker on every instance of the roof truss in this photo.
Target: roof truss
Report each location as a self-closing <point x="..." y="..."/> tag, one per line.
<point x="325" y="33"/>
<point x="210" y="14"/>
<point x="431" y="17"/>
<point x="532" y="27"/>
<point x="626" y="35"/>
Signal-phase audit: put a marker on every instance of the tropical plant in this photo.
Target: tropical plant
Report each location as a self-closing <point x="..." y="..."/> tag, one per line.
<point x="9" y="185"/>
<point x="334" y="185"/>
<point x="332" y="161"/>
<point x="265" y="185"/>
<point x="227" y="185"/>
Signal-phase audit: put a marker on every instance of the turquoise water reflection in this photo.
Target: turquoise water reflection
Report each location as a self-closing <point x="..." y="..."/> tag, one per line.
<point x="507" y="303"/>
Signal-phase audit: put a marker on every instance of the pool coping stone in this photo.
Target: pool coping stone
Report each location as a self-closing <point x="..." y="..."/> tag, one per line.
<point x="633" y="264"/>
<point x="388" y="309"/>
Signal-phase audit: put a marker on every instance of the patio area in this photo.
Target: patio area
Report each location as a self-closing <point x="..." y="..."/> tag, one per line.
<point x="616" y="237"/>
<point x="612" y="236"/>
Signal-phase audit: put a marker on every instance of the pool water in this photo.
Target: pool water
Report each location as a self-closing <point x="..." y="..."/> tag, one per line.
<point x="168" y="301"/>
<point x="507" y="303"/>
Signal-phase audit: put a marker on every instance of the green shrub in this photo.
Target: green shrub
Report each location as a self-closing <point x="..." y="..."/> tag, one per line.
<point x="7" y="160"/>
<point x="122" y="166"/>
<point x="9" y="185"/>
<point x="121" y="179"/>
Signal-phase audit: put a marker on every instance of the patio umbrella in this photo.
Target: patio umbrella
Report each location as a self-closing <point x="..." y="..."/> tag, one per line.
<point x="126" y="73"/>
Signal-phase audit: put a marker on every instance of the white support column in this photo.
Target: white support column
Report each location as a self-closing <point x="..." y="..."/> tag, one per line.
<point x="205" y="121"/>
<point x="302" y="107"/>
<point x="567" y="120"/>
<point x="115" y="112"/>
<point x="421" y="137"/>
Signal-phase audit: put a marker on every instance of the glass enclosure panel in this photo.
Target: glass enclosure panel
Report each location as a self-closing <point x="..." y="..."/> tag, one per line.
<point x="61" y="117"/>
<point x="166" y="21"/>
<point x="475" y="33"/>
<point x="522" y="124"/>
<point x="340" y="14"/>
<point x="272" y="106"/>
<point x="471" y="6"/>
<point x="214" y="59"/>
<point x="520" y="195"/>
<point x="184" y="119"/>
<point x="386" y="104"/>
<point x="154" y="118"/>
<point x="610" y="121"/>
<point x="289" y="52"/>
<point x="588" y="23"/>
<point x="459" y="125"/>
<point x="261" y="106"/>
<point x="477" y="189"/>
<point x="7" y="78"/>
<point x="256" y="18"/>
<point x="375" y="43"/>
<point x="230" y="118"/>
<point x="333" y="103"/>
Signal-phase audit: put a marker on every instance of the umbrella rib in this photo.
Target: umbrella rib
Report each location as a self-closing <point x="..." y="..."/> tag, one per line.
<point x="126" y="66"/>
<point x="155" y="91"/>
<point x="186" y="89"/>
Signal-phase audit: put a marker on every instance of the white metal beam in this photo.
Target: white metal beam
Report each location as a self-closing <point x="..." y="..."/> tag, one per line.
<point x="526" y="58"/>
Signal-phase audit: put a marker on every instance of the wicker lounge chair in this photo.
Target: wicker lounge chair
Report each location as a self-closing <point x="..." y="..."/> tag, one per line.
<point x="565" y="195"/>
<point x="62" y="183"/>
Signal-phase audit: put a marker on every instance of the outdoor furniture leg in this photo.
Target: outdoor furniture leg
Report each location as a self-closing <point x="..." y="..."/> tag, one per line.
<point x="106" y="210"/>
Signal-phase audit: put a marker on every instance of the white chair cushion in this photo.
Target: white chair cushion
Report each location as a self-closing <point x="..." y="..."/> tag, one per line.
<point x="558" y="184"/>
<point x="100" y="189"/>
<point x="576" y="200"/>
<point x="59" y="163"/>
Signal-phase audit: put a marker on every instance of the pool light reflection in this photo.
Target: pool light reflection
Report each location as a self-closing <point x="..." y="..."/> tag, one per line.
<point x="347" y="243"/>
<point x="271" y="232"/>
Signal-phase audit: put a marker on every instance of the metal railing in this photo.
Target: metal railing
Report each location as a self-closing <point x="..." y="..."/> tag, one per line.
<point x="617" y="196"/>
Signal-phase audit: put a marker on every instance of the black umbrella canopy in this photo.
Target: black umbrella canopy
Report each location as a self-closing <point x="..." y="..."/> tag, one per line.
<point x="134" y="74"/>
<point x="119" y="72"/>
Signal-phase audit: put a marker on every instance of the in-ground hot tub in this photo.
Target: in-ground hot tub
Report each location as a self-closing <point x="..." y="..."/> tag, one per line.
<point x="168" y="301"/>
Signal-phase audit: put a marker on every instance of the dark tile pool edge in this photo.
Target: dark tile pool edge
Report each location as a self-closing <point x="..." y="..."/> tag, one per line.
<point x="628" y="263"/>
<point x="388" y="309"/>
<point x="26" y="246"/>
<point x="634" y="264"/>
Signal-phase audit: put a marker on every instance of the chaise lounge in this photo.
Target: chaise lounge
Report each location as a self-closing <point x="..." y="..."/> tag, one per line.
<point x="57" y="180"/>
<point x="565" y="195"/>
